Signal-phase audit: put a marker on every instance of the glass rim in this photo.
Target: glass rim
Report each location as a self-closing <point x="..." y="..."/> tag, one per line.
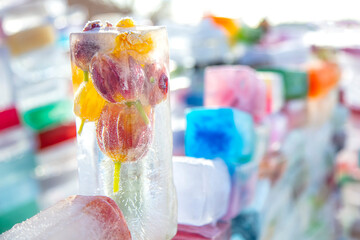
<point x="144" y="28"/>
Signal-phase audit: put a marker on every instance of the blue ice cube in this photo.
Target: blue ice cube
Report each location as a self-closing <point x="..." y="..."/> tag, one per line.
<point x="220" y="133"/>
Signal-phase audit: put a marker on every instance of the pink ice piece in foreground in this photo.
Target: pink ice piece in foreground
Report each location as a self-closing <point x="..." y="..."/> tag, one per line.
<point x="76" y="217"/>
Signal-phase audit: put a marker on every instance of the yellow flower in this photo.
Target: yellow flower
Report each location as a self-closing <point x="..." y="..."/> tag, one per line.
<point x="88" y="104"/>
<point x="77" y="76"/>
<point x="126" y="23"/>
<point x="139" y="42"/>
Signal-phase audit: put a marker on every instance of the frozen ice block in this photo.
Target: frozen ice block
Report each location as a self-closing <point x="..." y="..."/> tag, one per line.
<point x="7" y="98"/>
<point x="280" y="46"/>
<point x="203" y="188"/>
<point x="18" y="187"/>
<point x="296" y="113"/>
<point x="9" y="118"/>
<point x="77" y="218"/>
<point x="245" y="226"/>
<point x="121" y="84"/>
<point x="178" y="143"/>
<point x="323" y="77"/>
<point x="278" y="124"/>
<point x="244" y="179"/>
<point x="35" y="38"/>
<point x="348" y="165"/>
<point x="320" y="109"/>
<point x="205" y="54"/>
<point x="220" y="133"/>
<point x="273" y="166"/>
<point x="355" y="229"/>
<point x="295" y="82"/>
<point x="323" y="81"/>
<point x="243" y="185"/>
<point x="237" y="87"/>
<point x="349" y="60"/>
<point x="49" y="116"/>
<point x="274" y="91"/>
<point x="218" y="231"/>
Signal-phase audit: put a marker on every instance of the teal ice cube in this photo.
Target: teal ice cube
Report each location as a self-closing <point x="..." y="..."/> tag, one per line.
<point x="224" y="133"/>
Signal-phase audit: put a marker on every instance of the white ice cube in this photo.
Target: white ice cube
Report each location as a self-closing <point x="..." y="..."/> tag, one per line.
<point x="203" y="189"/>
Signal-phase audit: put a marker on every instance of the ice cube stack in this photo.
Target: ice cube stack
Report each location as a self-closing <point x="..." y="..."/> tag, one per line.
<point x="254" y="159"/>
<point x="295" y="84"/>
<point x="223" y="134"/>
<point x="234" y="126"/>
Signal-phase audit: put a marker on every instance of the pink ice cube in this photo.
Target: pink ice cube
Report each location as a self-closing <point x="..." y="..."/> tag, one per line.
<point x="235" y="86"/>
<point x="75" y="218"/>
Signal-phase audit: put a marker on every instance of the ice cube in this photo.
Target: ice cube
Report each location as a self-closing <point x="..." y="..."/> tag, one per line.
<point x="321" y="109"/>
<point x="219" y="231"/>
<point x="295" y="82"/>
<point x="224" y="133"/>
<point x="76" y="217"/>
<point x="244" y="179"/>
<point x="246" y="226"/>
<point x="243" y="186"/>
<point x="274" y="91"/>
<point x="278" y="124"/>
<point x="143" y="186"/>
<point x="323" y="78"/>
<point x="237" y="87"/>
<point x="296" y="113"/>
<point x="203" y="188"/>
<point x="355" y="229"/>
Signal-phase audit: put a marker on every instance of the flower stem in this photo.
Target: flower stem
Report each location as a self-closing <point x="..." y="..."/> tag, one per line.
<point x="117" y="166"/>
<point x="86" y="76"/>
<point x="140" y="108"/>
<point x="86" y="79"/>
<point x="81" y="126"/>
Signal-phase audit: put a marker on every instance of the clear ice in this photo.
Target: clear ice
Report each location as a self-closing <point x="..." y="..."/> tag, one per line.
<point x="74" y="218"/>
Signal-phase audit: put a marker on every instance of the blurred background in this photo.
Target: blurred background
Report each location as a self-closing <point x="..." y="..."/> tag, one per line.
<point x="309" y="174"/>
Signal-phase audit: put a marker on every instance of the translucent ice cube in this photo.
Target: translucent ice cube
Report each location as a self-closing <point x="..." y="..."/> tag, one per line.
<point x="244" y="179"/>
<point x="224" y="133"/>
<point x="203" y="189"/>
<point x="237" y="87"/>
<point x="274" y="91"/>
<point x="243" y="185"/>
<point x="77" y="217"/>
<point x="245" y="226"/>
